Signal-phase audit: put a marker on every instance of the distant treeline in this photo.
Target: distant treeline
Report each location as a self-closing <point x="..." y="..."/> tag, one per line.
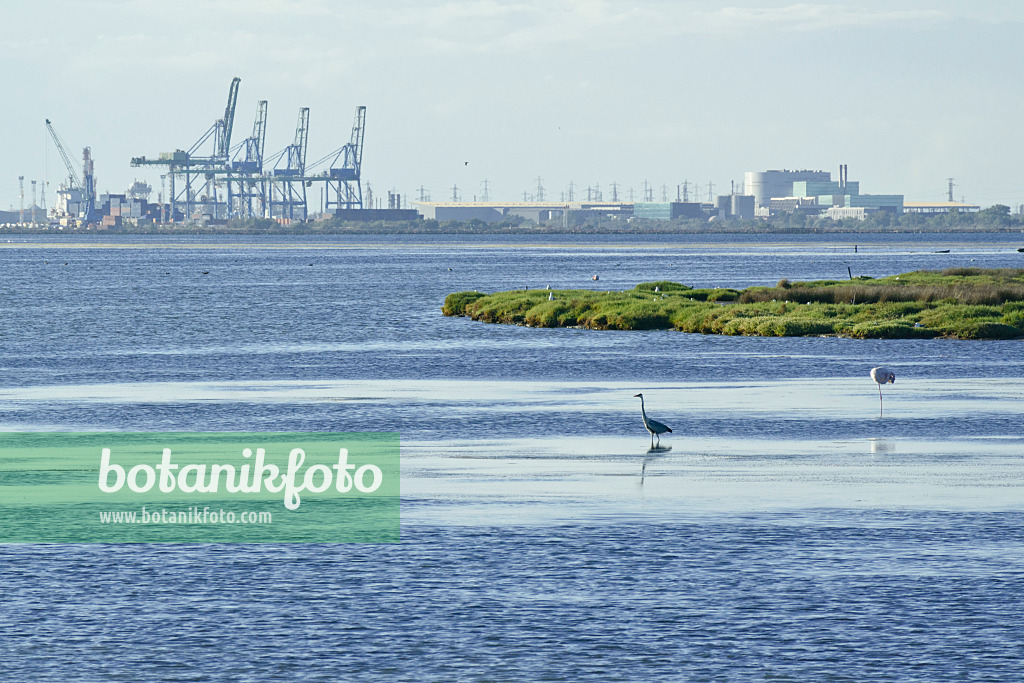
<point x="993" y="219"/>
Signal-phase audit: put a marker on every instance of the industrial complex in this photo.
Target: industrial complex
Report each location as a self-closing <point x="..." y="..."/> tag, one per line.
<point x="765" y="194"/>
<point x="215" y="180"/>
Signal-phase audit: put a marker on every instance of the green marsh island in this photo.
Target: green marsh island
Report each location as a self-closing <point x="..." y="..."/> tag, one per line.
<point x="956" y="303"/>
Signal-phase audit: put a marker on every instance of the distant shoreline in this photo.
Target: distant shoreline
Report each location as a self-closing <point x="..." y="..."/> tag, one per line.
<point x="996" y="219"/>
<point x="404" y="229"/>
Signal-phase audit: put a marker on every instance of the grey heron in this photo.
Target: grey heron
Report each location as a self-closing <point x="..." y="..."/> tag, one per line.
<point x="653" y="426"/>
<point x="882" y="376"/>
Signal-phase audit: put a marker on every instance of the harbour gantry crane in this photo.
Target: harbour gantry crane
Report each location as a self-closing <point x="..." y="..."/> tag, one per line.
<point x="77" y="197"/>
<point x="343" y="182"/>
<point x="288" y="188"/>
<point x="192" y="166"/>
<point x="246" y="184"/>
<point x="345" y="185"/>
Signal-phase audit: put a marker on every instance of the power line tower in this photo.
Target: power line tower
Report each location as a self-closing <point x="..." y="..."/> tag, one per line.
<point x="21" y="198"/>
<point x="33" y="202"/>
<point x="424" y="195"/>
<point x="455" y="193"/>
<point x="540" y="189"/>
<point x="711" y="192"/>
<point x="686" y="191"/>
<point x="572" y="191"/>
<point x="664" y="192"/>
<point x="487" y="190"/>
<point x="951" y="186"/>
<point x="615" y="191"/>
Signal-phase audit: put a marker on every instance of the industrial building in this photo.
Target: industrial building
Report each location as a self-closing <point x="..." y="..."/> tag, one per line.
<point x="494" y="212"/>
<point x="738" y="206"/>
<point x="667" y="211"/>
<point x="735" y="206"/>
<point x="814" y="192"/>
<point x="766" y="185"/>
<point x="931" y="208"/>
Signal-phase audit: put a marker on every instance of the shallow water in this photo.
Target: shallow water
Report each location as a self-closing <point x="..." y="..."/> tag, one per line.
<point x="785" y="531"/>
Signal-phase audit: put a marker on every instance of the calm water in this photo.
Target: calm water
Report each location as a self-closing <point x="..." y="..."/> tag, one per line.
<point x="788" y="534"/>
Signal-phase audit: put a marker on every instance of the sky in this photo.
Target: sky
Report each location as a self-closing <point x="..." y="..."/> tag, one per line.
<point x="907" y="93"/>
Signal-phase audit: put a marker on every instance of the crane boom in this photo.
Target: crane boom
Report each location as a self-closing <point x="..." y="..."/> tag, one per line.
<point x="229" y="118"/>
<point x="75" y="181"/>
<point x="259" y="131"/>
<point x="297" y="150"/>
<point x="356" y="142"/>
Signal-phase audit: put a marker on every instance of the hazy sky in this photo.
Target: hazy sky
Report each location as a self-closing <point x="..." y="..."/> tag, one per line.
<point x="906" y="92"/>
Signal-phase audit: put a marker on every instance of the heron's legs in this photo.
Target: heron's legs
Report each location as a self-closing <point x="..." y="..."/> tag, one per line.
<point x="879" y="400"/>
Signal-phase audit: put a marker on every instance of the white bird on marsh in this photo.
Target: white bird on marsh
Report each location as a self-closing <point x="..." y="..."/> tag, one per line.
<point x="653" y="426"/>
<point x="882" y="376"/>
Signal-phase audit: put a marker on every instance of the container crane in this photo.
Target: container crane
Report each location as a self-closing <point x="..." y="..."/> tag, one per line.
<point x="344" y="184"/>
<point x="289" y="187"/>
<point x="349" y="188"/>
<point x="192" y="165"/>
<point x="250" y="195"/>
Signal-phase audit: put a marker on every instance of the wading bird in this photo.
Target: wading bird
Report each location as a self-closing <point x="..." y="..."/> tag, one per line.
<point x="882" y="376"/>
<point x="653" y="426"/>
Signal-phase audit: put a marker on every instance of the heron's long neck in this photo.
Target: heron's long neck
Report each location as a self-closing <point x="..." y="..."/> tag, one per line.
<point x="642" y="411"/>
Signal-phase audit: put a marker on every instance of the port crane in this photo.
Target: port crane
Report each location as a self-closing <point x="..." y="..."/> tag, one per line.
<point x="247" y="189"/>
<point x="288" y="189"/>
<point x="241" y="181"/>
<point x="79" y="191"/>
<point x="344" y="185"/>
<point x="192" y="166"/>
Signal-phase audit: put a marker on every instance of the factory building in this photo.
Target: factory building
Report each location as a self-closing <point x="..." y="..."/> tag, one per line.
<point x="817" y="194"/>
<point x="667" y="211"/>
<point x="932" y="208"/>
<point x="735" y="206"/>
<point x="765" y="185"/>
<point x="494" y="212"/>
